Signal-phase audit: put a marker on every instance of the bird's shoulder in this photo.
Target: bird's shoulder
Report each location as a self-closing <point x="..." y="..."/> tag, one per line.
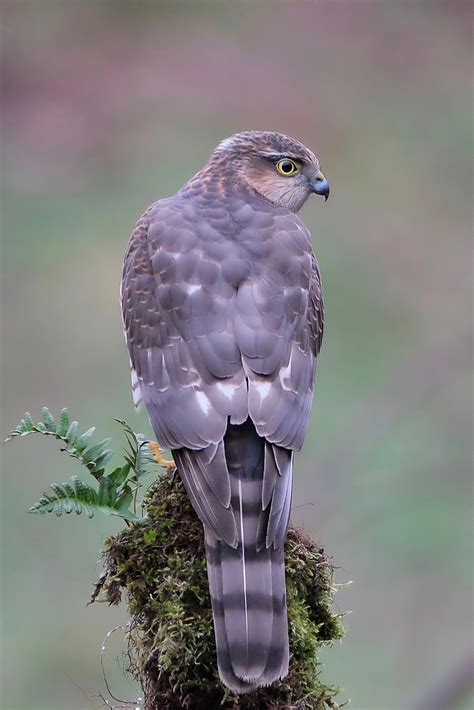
<point x="238" y="234"/>
<point x="160" y="211"/>
<point x="234" y="215"/>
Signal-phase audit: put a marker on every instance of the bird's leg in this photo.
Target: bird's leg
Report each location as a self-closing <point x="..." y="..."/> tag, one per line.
<point x="159" y="458"/>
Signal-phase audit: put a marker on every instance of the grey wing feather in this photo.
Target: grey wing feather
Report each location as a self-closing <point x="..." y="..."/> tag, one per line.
<point x="185" y="364"/>
<point x="279" y="325"/>
<point x="178" y="333"/>
<point x="206" y="485"/>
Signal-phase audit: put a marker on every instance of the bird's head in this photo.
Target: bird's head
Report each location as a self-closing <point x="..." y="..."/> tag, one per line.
<point x="279" y="168"/>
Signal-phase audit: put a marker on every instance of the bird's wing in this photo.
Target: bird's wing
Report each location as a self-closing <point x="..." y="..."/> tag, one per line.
<point x="185" y="364"/>
<point x="178" y="328"/>
<point x="315" y="309"/>
<point x="279" y="324"/>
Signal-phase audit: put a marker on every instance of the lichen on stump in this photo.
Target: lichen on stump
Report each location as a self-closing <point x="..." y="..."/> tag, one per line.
<point x="161" y="567"/>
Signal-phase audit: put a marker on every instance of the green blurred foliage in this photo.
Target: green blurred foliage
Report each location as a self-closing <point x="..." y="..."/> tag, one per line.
<point x="108" y="106"/>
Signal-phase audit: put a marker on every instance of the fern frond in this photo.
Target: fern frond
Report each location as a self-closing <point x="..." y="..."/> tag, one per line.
<point x="93" y="458"/>
<point x="117" y="491"/>
<point x="79" y="497"/>
<point x="137" y="455"/>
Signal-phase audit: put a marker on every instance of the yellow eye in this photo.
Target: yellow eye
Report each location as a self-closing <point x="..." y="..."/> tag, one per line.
<point x="286" y="167"/>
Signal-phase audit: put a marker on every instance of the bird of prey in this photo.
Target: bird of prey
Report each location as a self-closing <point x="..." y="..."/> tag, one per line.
<point x="223" y="318"/>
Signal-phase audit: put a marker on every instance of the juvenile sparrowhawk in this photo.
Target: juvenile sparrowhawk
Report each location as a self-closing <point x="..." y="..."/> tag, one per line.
<point x="223" y="318"/>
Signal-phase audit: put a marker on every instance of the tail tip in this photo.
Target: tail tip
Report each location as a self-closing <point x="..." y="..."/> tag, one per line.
<point x="247" y="684"/>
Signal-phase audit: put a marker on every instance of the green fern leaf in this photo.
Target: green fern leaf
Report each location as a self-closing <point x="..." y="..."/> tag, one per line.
<point x="49" y="420"/>
<point x="119" y="475"/>
<point x="24" y="426"/>
<point x="46" y="504"/>
<point x="86" y="495"/>
<point x="113" y="496"/>
<point x="81" y="443"/>
<point x="72" y="503"/>
<point x="65" y="496"/>
<point x="63" y="423"/>
<point x="90" y="455"/>
<point x="28" y="421"/>
<point x="100" y="462"/>
<point x="107" y="492"/>
<point x="80" y="497"/>
<point x="71" y="434"/>
<point x="124" y="500"/>
<point x="125" y="514"/>
<point x="138" y="456"/>
<point x="21" y="428"/>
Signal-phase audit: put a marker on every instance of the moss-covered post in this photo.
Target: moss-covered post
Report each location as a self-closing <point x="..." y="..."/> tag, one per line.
<point x="160" y="566"/>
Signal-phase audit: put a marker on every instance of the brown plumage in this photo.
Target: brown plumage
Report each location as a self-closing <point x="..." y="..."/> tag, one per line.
<point x="223" y="317"/>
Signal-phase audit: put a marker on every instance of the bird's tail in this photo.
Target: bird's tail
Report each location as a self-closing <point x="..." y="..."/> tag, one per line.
<point x="241" y="490"/>
<point x="247" y="583"/>
<point x="249" y="609"/>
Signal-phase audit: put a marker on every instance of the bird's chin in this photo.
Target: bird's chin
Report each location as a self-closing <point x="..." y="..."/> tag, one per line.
<point x="293" y="199"/>
<point x="298" y="200"/>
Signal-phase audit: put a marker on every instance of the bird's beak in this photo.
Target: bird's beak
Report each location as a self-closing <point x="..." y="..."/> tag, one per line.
<point x="320" y="185"/>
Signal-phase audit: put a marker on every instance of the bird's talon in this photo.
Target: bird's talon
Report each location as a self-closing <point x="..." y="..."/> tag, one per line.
<point x="170" y="466"/>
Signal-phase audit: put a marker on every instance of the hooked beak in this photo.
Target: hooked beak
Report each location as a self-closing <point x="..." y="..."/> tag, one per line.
<point x="320" y="185"/>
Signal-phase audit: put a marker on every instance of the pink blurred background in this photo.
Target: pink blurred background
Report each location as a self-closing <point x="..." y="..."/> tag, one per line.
<point x="108" y="106"/>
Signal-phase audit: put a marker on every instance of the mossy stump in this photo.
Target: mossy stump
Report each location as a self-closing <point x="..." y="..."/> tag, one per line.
<point x="161" y="566"/>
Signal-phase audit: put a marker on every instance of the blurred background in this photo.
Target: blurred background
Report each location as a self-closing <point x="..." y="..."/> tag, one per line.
<point x="108" y="106"/>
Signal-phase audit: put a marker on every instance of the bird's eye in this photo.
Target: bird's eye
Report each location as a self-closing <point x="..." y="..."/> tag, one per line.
<point x="286" y="167"/>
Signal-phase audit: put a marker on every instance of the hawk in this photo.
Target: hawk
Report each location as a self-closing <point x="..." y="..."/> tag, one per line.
<point x="223" y="318"/>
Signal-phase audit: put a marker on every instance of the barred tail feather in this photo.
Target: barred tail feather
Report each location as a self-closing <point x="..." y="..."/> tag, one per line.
<point x="251" y="630"/>
<point x="245" y="523"/>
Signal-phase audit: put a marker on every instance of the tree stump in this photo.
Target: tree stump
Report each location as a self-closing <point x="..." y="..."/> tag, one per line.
<point x="160" y="565"/>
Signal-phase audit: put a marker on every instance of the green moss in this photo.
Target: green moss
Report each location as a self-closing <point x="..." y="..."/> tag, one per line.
<point x="160" y="565"/>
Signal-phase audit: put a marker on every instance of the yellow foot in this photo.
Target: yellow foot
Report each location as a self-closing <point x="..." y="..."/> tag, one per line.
<point x="159" y="458"/>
